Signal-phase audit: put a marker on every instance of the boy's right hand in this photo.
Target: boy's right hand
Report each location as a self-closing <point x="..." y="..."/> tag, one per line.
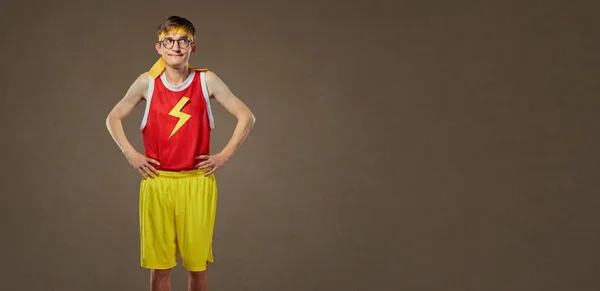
<point x="142" y="164"/>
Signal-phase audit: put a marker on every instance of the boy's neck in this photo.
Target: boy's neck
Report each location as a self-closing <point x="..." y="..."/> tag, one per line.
<point x="177" y="75"/>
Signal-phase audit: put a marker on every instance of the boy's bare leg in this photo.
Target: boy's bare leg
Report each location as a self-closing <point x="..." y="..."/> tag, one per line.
<point x="160" y="280"/>
<point x="198" y="281"/>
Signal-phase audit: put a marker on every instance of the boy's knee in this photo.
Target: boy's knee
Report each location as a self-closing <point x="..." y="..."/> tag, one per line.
<point x="197" y="273"/>
<point x="160" y="274"/>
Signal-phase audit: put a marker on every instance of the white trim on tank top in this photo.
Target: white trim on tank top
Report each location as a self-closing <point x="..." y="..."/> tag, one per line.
<point x="181" y="87"/>
<point x="148" y="100"/>
<point x="207" y="98"/>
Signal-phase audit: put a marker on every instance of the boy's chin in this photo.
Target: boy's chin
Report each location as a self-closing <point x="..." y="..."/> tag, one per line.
<point x="177" y="64"/>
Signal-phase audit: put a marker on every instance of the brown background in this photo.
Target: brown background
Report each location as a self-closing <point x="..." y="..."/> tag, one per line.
<point x="414" y="145"/>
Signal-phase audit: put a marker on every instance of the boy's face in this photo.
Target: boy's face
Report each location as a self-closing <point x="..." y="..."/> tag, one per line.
<point x="176" y="49"/>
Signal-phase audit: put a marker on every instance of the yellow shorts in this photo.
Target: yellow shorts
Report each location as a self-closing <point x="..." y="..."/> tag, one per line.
<point x="177" y="216"/>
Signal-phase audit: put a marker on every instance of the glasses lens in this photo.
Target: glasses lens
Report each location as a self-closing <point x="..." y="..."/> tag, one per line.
<point x="168" y="43"/>
<point x="183" y="43"/>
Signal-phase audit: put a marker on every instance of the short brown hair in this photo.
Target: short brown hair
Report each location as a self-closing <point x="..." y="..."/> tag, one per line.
<point x="174" y="22"/>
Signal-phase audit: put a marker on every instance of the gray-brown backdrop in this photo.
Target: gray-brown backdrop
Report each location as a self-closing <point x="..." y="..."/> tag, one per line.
<point x="399" y="145"/>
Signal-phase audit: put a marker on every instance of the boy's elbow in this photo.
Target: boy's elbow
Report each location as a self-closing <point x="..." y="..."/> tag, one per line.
<point x="110" y="119"/>
<point x="107" y="121"/>
<point x="251" y="119"/>
<point x="246" y="117"/>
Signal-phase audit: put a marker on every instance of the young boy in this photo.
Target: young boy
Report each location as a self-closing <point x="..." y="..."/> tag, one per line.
<point x="178" y="191"/>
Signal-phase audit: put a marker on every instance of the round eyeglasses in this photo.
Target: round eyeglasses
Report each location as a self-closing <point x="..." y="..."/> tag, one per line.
<point x="182" y="43"/>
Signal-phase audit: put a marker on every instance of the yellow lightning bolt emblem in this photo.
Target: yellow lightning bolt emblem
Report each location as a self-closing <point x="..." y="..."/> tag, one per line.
<point x="176" y="112"/>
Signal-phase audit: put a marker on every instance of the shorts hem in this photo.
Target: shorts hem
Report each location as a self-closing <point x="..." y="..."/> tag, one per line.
<point x="158" y="267"/>
<point x="196" y="268"/>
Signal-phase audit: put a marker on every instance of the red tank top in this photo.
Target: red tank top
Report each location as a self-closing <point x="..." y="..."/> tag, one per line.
<point x="177" y="122"/>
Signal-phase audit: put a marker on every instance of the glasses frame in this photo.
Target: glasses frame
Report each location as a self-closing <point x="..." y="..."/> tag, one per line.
<point x="188" y="43"/>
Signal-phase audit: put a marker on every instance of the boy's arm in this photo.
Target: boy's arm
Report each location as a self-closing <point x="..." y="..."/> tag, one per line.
<point x="220" y="92"/>
<point x="124" y="107"/>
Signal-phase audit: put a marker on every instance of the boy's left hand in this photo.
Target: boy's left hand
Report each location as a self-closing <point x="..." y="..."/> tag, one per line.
<point x="214" y="162"/>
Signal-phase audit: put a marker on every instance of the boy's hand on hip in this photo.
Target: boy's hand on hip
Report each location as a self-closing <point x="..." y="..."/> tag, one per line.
<point x="212" y="162"/>
<point x="142" y="164"/>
